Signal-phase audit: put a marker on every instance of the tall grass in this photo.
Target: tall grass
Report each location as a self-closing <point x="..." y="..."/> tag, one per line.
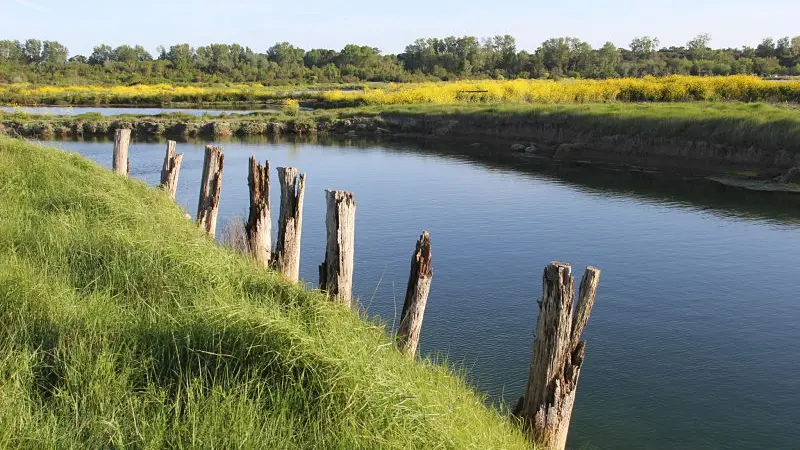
<point x="123" y="326"/>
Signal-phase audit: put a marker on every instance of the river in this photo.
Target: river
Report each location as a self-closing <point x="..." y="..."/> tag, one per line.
<point x="694" y="338"/>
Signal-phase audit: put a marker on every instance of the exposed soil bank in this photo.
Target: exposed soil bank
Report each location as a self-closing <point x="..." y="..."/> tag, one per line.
<point x="708" y="146"/>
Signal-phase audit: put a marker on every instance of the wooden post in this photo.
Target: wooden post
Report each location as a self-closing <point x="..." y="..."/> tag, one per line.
<point x="120" y="163"/>
<point x="558" y="353"/>
<point x="286" y="258"/>
<point x="210" y="189"/>
<point x="259" y="224"/>
<point x="170" y="170"/>
<point x="419" y="284"/>
<point x="336" y="272"/>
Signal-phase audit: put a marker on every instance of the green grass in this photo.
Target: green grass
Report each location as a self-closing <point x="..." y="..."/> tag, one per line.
<point x="123" y="326"/>
<point x="762" y="126"/>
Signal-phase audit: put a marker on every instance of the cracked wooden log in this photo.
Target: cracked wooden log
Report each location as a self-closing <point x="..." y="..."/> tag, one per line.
<point x="419" y="285"/>
<point x="286" y="258"/>
<point x="170" y="170"/>
<point x="558" y="353"/>
<point x="336" y="272"/>
<point x="259" y="224"/>
<point x="210" y="189"/>
<point x="120" y="163"/>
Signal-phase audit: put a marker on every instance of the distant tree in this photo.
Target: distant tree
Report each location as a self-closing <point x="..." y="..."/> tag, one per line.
<point x="12" y="51"/>
<point x="766" y="66"/>
<point x="319" y="57"/>
<point x="766" y="49"/>
<point x="783" y="51"/>
<point x="699" y="47"/>
<point x="606" y="60"/>
<point x="180" y="56"/>
<point x="555" y="55"/>
<point x="285" y="53"/>
<point x="643" y="47"/>
<point x="102" y="54"/>
<point x="54" y="53"/>
<point x="357" y="55"/>
<point x="33" y="51"/>
<point x="795" y="50"/>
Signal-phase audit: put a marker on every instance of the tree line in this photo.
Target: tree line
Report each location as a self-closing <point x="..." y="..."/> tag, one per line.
<point x="449" y="58"/>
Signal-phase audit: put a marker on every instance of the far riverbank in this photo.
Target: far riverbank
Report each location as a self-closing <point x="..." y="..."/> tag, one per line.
<point x="754" y="140"/>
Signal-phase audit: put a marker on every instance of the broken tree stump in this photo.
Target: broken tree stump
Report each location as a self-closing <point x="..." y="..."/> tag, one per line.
<point x="419" y="285"/>
<point x="170" y="170"/>
<point x="259" y="224"/>
<point x="120" y="163"/>
<point x="336" y="272"/>
<point x="286" y="258"/>
<point x="558" y="352"/>
<point x="210" y="189"/>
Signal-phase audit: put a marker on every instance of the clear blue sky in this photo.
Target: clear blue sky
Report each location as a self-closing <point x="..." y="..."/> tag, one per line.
<point x="81" y="24"/>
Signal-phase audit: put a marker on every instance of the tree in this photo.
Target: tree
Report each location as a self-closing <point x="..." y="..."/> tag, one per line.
<point x="766" y="66"/>
<point x="606" y="60"/>
<point x="699" y="46"/>
<point x="795" y="50"/>
<point x="357" y="55"/>
<point x="102" y="54"/>
<point x="643" y="47"/>
<point x="33" y="51"/>
<point x="319" y="57"/>
<point x="784" y="53"/>
<point x="555" y="55"/>
<point x="12" y="52"/>
<point x="180" y="56"/>
<point x="284" y="53"/>
<point x="766" y="49"/>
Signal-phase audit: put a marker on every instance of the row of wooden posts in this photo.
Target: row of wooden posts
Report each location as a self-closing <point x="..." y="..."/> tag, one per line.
<point x="558" y="351"/>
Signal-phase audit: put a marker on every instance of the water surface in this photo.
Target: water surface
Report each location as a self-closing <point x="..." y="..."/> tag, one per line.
<point x="695" y="334"/>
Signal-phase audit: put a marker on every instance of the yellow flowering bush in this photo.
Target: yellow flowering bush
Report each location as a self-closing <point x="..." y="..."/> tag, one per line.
<point x="648" y="89"/>
<point x="676" y="88"/>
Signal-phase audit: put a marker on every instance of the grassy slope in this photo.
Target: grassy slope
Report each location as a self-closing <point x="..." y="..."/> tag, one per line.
<point x="766" y="126"/>
<point x="123" y="326"/>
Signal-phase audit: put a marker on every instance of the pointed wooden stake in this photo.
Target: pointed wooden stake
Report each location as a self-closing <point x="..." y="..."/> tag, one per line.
<point x="120" y="163"/>
<point x="558" y="353"/>
<point x="210" y="189"/>
<point x="170" y="170"/>
<point x="419" y="285"/>
<point x="286" y="258"/>
<point x="259" y="224"/>
<point x="336" y="272"/>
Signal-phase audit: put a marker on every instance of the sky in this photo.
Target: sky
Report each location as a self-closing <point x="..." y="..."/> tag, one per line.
<point x="390" y="26"/>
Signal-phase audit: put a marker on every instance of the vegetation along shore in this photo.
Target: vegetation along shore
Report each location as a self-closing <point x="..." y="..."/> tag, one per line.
<point x="711" y="137"/>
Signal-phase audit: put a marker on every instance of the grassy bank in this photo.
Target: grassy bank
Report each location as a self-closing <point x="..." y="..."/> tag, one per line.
<point x="760" y="126"/>
<point x="521" y="91"/>
<point x="124" y="326"/>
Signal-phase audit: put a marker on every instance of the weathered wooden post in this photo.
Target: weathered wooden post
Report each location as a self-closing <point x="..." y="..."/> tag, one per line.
<point x="259" y="224"/>
<point x="336" y="272"/>
<point x="210" y="189"/>
<point x="419" y="285"/>
<point x="286" y="258"/>
<point x="558" y="353"/>
<point x="120" y="163"/>
<point x="170" y="170"/>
